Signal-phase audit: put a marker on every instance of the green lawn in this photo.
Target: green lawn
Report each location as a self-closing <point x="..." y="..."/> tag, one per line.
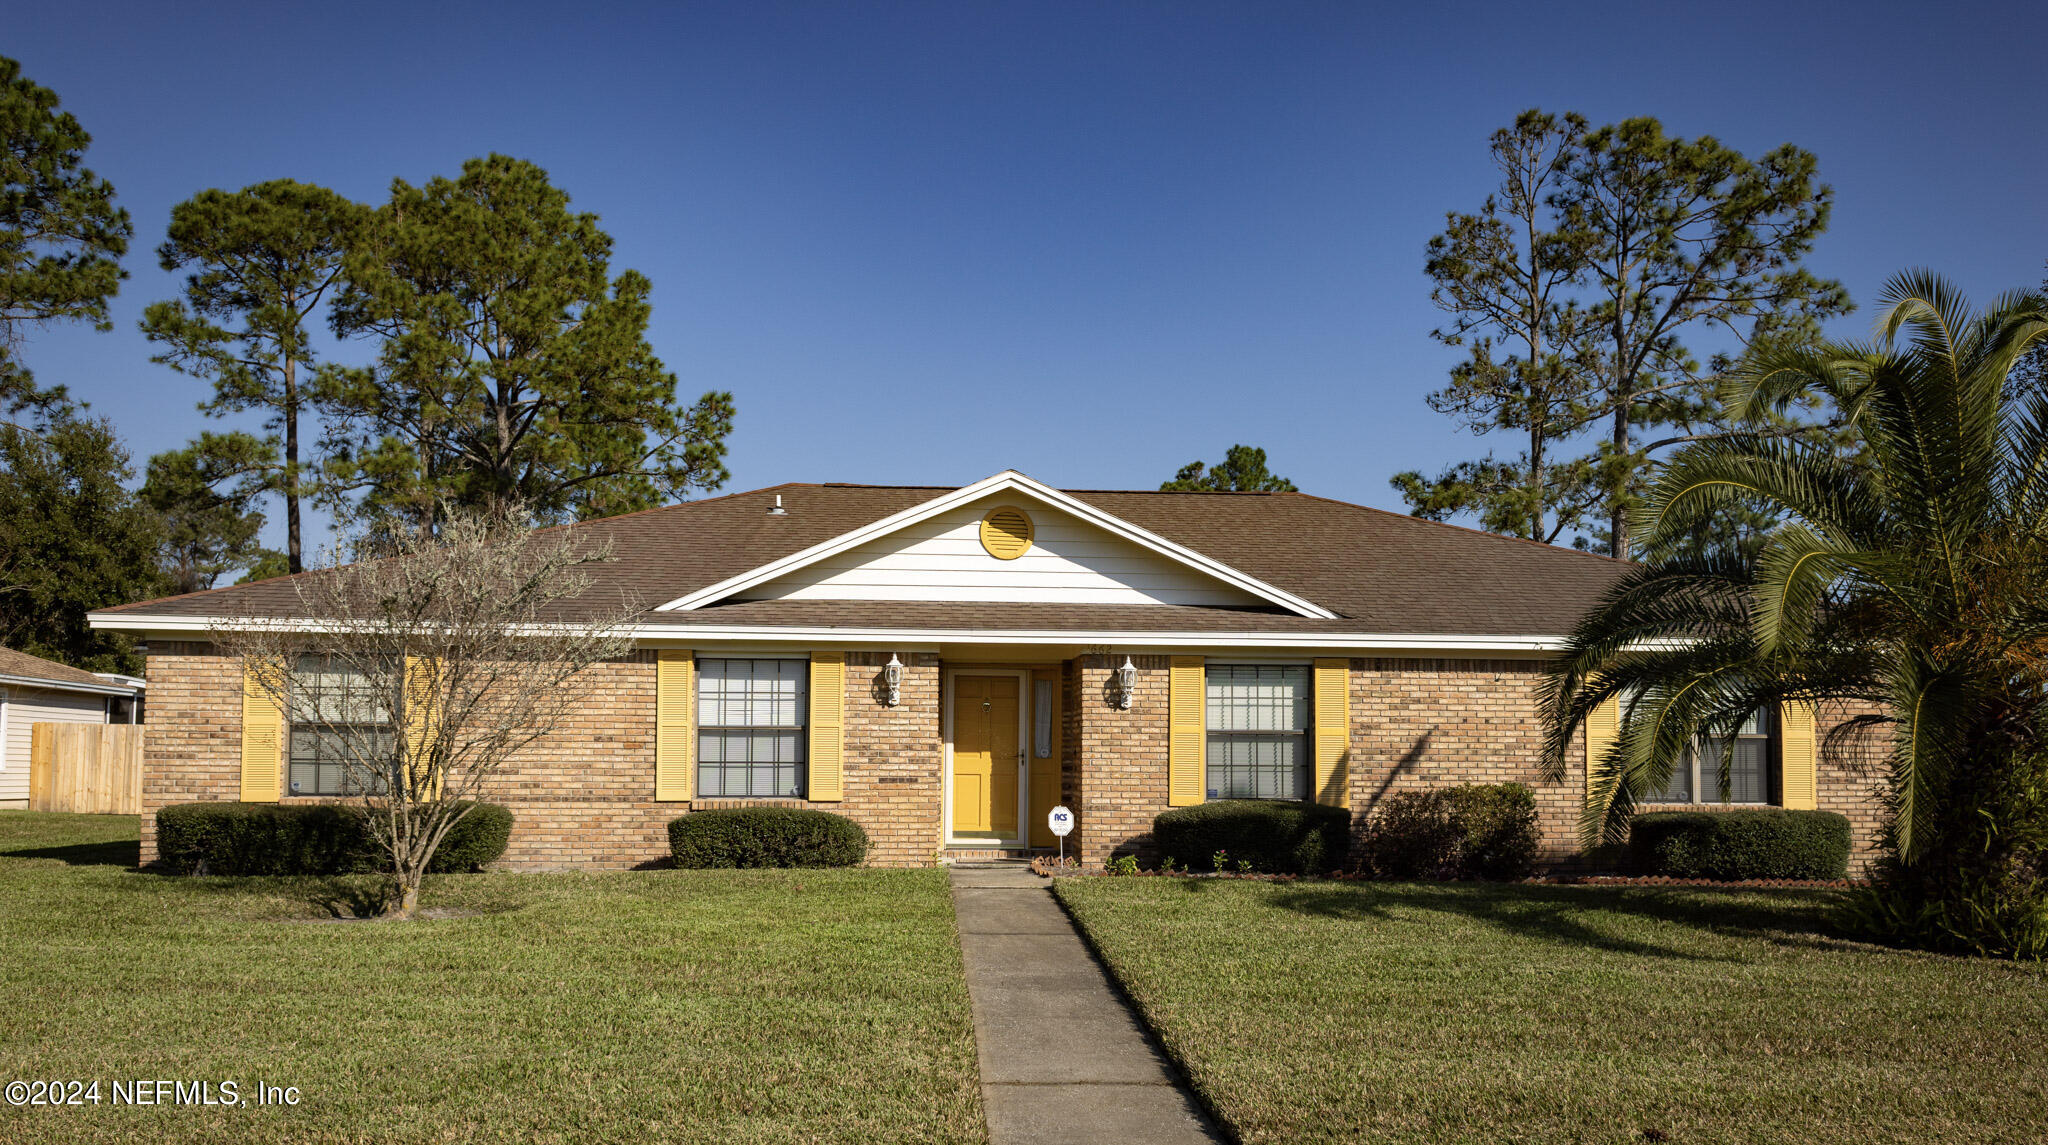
<point x="806" y="1006"/>
<point x="1316" y="1012"/>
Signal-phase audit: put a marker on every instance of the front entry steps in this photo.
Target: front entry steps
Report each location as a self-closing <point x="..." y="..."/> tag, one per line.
<point x="969" y="856"/>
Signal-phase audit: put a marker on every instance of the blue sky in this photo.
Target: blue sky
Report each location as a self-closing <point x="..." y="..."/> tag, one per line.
<point x="924" y="242"/>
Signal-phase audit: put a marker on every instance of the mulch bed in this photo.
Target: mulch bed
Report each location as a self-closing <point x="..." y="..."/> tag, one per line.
<point x="1050" y="868"/>
<point x="1669" y="881"/>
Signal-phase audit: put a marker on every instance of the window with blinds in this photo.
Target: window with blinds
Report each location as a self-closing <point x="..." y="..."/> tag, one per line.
<point x="1257" y="718"/>
<point x="1697" y="778"/>
<point x="750" y="727"/>
<point x="346" y="747"/>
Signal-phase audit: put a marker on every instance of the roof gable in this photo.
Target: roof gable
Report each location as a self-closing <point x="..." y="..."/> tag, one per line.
<point x="1080" y="554"/>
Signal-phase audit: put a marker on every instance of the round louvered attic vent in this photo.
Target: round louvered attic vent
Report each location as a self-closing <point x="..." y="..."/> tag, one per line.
<point x="1006" y="533"/>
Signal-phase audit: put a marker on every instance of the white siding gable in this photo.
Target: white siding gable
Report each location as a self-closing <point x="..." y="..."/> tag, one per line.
<point x="1070" y="562"/>
<point x="25" y="707"/>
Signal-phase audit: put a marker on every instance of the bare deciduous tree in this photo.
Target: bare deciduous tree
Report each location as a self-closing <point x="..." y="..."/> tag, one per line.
<point x="424" y="668"/>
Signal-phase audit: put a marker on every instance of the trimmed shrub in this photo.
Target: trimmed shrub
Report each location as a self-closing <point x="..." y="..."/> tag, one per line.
<point x="1474" y="831"/>
<point x="476" y="840"/>
<point x="259" y="838"/>
<point x="308" y="839"/>
<point x="1276" y="836"/>
<point x="1760" y="843"/>
<point x="766" y="837"/>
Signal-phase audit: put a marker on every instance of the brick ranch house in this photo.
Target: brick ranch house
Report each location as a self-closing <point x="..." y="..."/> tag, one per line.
<point x="1118" y="652"/>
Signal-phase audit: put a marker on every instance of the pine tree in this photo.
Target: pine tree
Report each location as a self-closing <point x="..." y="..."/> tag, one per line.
<point x="1243" y="470"/>
<point x="61" y="236"/>
<point x="1682" y="235"/>
<point x="72" y="536"/>
<point x="512" y="366"/>
<point x="263" y="260"/>
<point x="1505" y="275"/>
<point x="1577" y="287"/>
<point x="204" y="496"/>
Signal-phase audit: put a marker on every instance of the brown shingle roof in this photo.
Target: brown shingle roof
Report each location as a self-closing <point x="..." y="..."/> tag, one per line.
<point x="29" y="667"/>
<point x="1380" y="572"/>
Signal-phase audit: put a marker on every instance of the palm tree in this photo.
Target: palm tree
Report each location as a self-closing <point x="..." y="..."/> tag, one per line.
<point x="1910" y="580"/>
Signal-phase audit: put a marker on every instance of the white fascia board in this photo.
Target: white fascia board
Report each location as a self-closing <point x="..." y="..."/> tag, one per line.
<point x="706" y="633"/>
<point x="683" y="635"/>
<point x="66" y="686"/>
<point x="1008" y="481"/>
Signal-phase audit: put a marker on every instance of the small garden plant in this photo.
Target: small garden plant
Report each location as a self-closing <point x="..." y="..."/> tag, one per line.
<point x="1475" y="831"/>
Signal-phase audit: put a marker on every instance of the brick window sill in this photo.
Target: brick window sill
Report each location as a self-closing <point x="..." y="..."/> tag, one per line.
<point x="1716" y="806"/>
<point x="729" y="802"/>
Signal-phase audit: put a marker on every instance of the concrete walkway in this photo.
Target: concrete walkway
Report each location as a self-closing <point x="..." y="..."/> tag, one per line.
<point x="1063" y="1060"/>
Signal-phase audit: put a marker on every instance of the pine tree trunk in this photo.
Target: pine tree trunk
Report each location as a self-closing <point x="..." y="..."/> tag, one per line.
<point x="295" y="557"/>
<point x="1617" y="520"/>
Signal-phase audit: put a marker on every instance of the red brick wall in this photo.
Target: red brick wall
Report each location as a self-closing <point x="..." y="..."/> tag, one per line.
<point x="1854" y="779"/>
<point x="1421" y="723"/>
<point x="192" y="740"/>
<point x="582" y="796"/>
<point x="1070" y="734"/>
<point x="1437" y="723"/>
<point x="1121" y="759"/>
<point x="893" y="759"/>
<point x="1415" y="723"/>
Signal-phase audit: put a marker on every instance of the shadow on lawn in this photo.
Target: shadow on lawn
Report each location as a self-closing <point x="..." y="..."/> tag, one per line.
<point x="120" y="853"/>
<point x="349" y="896"/>
<point x="1598" y="917"/>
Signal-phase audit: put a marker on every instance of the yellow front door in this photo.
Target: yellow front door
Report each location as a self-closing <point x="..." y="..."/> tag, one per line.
<point x="985" y="756"/>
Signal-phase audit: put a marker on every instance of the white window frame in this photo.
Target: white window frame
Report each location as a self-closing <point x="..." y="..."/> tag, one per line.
<point x="802" y="728"/>
<point x="345" y="766"/>
<point x="1308" y="729"/>
<point x="1703" y="765"/>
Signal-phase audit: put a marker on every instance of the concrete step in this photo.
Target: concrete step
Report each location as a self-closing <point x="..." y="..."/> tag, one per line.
<point x="963" y="856"/>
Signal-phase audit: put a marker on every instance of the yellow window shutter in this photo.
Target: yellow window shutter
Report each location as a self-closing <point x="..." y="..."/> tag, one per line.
<point x="1186" y="732"/>
<point x="1603" y="728"/>
<point x="672" y="709"/>
<point x="262" y="742"/>
<point x="828" y="727"/>
<point x="1333" y="732"/>
<point x="1800" y="781"/>
<point x="422" y="702"/>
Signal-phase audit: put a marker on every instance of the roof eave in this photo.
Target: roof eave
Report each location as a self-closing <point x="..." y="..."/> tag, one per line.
<point x="45" y="684"/>
<point x="870" y="634"/>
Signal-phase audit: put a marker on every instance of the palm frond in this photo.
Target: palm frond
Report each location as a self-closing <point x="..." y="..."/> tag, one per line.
<point x="1910" y="581"/>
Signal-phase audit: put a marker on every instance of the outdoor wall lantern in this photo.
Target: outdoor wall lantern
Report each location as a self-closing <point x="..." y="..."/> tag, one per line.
<point x="892" y="680"/>
<point x="1126" y="684"/>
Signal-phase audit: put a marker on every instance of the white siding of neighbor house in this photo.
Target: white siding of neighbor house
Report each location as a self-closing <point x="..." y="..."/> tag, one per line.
<point x="1070" y="562"/>
<point x="24" y="707"/>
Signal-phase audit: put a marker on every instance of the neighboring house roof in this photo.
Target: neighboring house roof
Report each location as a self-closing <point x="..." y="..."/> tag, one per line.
<point x="1364" y="570"/>
<point x="23" y="670"/>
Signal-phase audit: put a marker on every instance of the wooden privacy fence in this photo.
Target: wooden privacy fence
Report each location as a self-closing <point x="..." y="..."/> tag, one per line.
<point x="85" y="767"/>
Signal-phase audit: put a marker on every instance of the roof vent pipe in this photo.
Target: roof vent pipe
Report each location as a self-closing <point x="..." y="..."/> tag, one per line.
<point x="777" y="510"/>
